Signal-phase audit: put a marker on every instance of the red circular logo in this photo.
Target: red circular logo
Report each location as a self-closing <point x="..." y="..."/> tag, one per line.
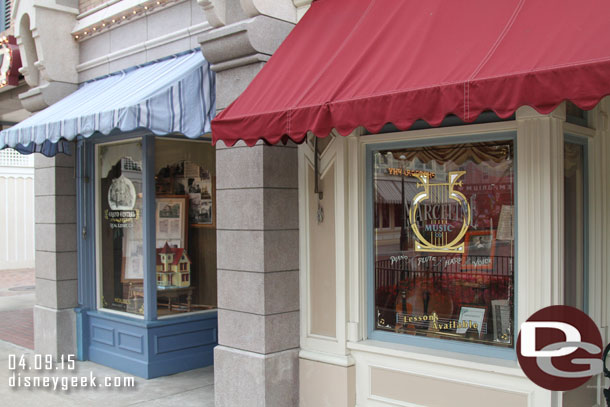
<point x="559" y="348"/>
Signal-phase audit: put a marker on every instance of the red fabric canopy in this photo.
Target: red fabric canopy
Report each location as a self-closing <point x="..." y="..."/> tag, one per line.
<point x="351" y="63"/>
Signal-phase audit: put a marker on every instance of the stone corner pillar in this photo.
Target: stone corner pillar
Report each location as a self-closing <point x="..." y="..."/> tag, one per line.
<point x="56" y="259"/>
<point x="256" y="362"/>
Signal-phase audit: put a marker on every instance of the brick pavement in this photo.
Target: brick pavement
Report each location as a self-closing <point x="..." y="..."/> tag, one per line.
<point x="16" y="302"/>
<point x="17" y="326"/>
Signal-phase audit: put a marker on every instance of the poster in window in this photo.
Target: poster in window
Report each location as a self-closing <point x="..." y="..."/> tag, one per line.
<point x="133" y="261"/>
<point x="479" y="251"/>
<point x="170" y="216"/>
<point x="471" y="317"/>
<point x="202" y="196"/>
<point x="505" y="223"/>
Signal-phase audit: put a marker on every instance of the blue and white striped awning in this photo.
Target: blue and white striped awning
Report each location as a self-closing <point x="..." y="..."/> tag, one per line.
<point x="175" y="94"/>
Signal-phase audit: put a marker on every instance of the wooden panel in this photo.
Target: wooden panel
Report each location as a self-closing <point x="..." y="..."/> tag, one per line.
<point x="184" y="340"/>
<point x="154" y="348"/>
<point x="432" y="392"/>
<point x="102" y="334"/>
<point x="131" y="342"/>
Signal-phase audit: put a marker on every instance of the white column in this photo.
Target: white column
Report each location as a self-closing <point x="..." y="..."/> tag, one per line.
<point x="539" y="206"/>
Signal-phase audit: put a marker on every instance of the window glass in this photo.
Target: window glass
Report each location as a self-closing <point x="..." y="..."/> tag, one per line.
<point x="120" y="244"/>
<point x="448" y="270"/>
<point x="574" y="213"/>
<point x="576" y="115"/>
<point x="185" y="177"/>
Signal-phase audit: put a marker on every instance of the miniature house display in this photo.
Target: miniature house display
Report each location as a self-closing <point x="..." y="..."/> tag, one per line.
<point x="173" y="267"/>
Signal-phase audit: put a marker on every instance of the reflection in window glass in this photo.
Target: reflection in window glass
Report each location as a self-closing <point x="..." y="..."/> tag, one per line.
<point x="574" y="210"/>
<point x="120" y="244"/>
<point x="185" y="176"/>
<point x="447" y="271"/>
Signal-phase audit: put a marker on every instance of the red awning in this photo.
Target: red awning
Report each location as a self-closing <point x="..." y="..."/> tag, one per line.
<point x="352" y="63"/>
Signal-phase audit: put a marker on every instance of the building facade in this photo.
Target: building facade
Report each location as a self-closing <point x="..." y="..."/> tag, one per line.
<point x="119" y="320"/>
<point x="89" y="247"/>
<point x="323" y="255"/>
<point x="422" y="251"/>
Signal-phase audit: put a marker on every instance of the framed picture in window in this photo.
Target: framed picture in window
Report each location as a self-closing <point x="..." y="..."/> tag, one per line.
<point x="472" y="317"/>
<point x="171" y="220"/>
<point x="202" y="197"/>
<point x="479" y="250"/>
<point x="132" y="270"/>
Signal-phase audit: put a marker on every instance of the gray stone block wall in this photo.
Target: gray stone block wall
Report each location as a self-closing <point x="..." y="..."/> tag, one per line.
<point x="56" y="259"/>
<point x="256" y="362"/>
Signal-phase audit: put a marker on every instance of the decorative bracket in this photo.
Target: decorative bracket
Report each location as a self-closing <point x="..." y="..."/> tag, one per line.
<point x="215" y="11"/>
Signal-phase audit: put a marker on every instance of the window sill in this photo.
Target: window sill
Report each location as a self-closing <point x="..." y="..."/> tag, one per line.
<point x="138" y="320"/>
<point x="441" y="357"/>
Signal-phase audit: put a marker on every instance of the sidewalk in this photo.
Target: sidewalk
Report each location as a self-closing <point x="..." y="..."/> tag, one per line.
<point x="193" y="388"/>
<point x="17" y="299"/>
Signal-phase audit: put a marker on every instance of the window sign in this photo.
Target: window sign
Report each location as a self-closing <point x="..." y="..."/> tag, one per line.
<point x="444" y="267"/>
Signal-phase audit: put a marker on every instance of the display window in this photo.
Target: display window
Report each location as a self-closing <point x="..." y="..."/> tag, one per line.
<point x="120" y="238"/>
<point x="185" y="185"/>
<point x="445" y="269"/>
<point x="183" y="264"/>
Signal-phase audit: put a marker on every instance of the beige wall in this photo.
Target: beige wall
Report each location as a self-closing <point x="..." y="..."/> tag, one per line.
<point x="322" y="256"/>
<point x="162" y="31"/>
<point x="326" y="385"/>
<point x="432" y="392"/>
<point x="584" y="395"/>
<point x="84" y="5"/>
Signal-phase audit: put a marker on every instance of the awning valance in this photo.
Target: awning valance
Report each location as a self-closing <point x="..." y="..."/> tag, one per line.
<point x="351" y="63"/>
<point x="171" y="95"/>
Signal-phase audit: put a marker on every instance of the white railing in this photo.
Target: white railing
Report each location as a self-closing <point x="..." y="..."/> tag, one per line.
<point x="12" y="158"/>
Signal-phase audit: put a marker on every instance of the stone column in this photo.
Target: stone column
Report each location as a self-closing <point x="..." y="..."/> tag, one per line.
<point x="256" y="362"/>
<point x="56" y="264"/>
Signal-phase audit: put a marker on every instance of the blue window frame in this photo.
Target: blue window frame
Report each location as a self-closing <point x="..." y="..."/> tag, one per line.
<point x="440" y="342"/>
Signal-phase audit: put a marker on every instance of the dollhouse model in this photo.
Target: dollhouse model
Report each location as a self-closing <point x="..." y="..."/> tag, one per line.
<point x="173" y="267"/>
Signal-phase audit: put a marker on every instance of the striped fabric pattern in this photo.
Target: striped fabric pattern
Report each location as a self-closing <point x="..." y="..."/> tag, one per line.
<point x="172" y="95"/>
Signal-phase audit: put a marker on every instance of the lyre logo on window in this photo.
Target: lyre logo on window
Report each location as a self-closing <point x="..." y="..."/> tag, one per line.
<point x="440" y="215"/>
